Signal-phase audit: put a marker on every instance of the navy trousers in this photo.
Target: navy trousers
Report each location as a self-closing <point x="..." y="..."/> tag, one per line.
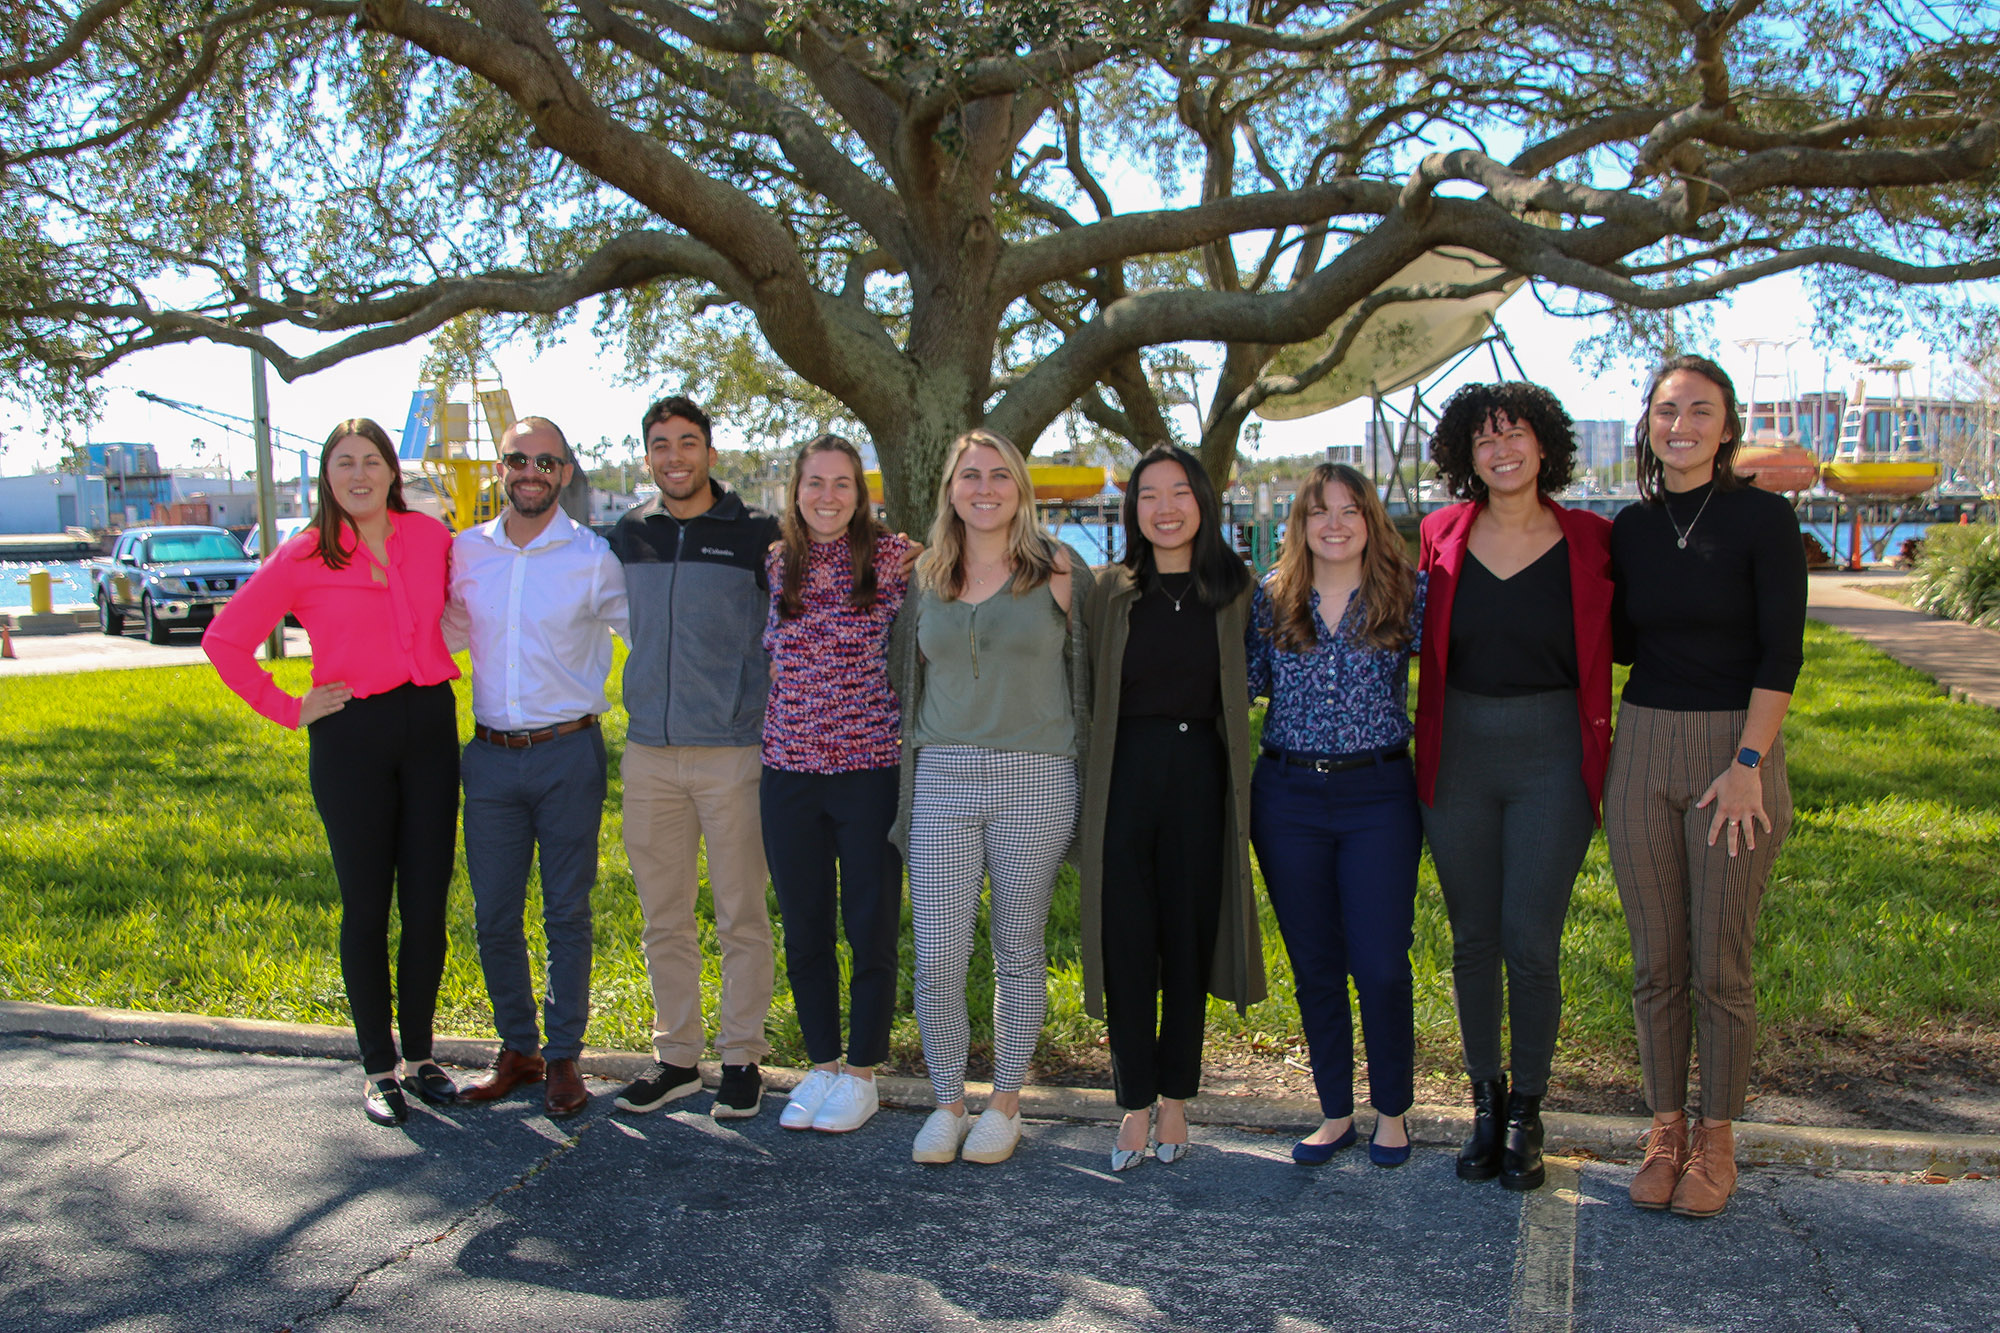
<point x="552" y="796"/>
<point x="813" y="821"/>
<point x="1339" y="854"/>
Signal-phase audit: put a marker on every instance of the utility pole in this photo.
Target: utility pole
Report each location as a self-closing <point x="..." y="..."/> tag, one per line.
<point x="260" y="400"/>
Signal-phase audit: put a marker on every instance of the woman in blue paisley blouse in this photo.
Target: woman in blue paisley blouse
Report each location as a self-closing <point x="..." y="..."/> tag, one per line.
<point x="1333" y="803"/>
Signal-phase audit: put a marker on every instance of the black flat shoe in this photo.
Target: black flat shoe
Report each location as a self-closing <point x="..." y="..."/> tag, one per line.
<point x="431" y="1084"/>
<point x="382" y="1101"/>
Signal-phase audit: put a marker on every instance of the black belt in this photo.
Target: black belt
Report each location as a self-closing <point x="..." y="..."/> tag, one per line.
<point x="1341" y="763"/>
<point x="521" y="740"/>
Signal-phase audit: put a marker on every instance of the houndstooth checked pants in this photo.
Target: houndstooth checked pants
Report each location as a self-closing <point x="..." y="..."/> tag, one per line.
<point x="979" y="813"/>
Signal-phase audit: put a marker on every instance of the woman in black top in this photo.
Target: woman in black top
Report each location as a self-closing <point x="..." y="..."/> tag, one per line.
<point x="1513" y="731"/>
<point x="1168" y="914"/>
<point x="1710" y="612"/>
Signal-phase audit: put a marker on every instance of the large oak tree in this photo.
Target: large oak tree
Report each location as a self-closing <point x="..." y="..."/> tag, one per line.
<point x="925" y="210"/>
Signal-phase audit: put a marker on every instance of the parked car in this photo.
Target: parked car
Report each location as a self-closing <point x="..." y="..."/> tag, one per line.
<point x="286" y="529"/>
<point x="171" y="577"/>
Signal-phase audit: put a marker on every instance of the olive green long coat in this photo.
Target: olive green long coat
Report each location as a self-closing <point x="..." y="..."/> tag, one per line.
<point x="1237" y="973"/>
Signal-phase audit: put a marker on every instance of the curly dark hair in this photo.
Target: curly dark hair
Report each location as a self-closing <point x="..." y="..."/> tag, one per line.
<point x="1474" y="406"/>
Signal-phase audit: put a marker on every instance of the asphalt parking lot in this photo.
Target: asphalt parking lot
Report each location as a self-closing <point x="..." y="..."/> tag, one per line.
<point x="153" y="1188"/>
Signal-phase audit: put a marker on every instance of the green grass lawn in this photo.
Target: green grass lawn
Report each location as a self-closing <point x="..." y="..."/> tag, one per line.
<point x="159" y="850"/>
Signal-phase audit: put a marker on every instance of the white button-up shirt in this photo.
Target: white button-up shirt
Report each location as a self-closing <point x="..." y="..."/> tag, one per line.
<point x="538" y="619"/>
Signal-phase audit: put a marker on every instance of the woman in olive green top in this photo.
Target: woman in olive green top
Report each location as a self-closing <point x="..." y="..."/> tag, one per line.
<point x="1168" y="911"/>
<point x="994" y="722"/>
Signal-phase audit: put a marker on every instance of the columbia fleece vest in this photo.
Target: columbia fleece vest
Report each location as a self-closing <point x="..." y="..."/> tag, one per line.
<point x="697" y="674"/>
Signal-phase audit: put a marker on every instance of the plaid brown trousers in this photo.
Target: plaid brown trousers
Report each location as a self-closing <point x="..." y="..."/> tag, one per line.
<point x="1691" y="908"/>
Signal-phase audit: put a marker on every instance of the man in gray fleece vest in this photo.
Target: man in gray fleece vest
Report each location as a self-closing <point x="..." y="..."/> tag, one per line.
<point x="695" y="684"/>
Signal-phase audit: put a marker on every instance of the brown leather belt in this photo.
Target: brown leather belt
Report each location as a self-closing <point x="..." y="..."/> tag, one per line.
<point x="521" y="740"/>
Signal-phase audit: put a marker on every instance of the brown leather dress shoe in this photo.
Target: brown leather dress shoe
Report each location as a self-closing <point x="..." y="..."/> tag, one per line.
<point x="565" y="1094"/>
<point x="1710" y="1178"/>
<point x="512" y="1070"/>
<point x="1666" y="1155"/>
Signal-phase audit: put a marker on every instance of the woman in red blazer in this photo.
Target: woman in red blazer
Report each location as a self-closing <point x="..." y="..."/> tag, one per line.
<point x="1513" y="735"/>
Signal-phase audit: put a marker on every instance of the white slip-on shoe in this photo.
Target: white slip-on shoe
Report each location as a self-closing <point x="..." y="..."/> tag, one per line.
<point x="848" y="1106"/>
<point x="993" y="1139"/>
<point x="940" y="1136"/>
<point x="807" y="1098"/>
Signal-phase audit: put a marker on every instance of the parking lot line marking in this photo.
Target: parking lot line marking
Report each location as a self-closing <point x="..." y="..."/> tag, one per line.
<point x="1544" y="1294"/>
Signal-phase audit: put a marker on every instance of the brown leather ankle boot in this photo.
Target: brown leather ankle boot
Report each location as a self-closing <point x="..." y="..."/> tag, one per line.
<point x="1666" y="1155"/>
<point x="1710" y="1177"/>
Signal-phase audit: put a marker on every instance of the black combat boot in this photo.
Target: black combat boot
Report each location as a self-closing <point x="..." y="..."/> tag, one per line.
<point x="1521" y="1163"/>
<point x="1479" y="1159"/>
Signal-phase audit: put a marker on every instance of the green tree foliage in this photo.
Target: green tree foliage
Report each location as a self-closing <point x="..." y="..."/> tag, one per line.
<point x="922" y="216"/>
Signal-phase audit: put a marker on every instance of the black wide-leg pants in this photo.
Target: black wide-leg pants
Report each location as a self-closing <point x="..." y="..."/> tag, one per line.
<point x="1162" y="897"/>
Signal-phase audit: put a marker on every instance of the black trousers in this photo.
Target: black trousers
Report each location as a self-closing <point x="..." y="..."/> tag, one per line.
<point x="385" y="778"/>
<point x="811" y="822"/>
<point x="1162" y="897"/>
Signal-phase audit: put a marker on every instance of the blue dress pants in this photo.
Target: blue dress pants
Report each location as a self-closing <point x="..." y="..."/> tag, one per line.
<point x="547" y="798"/>
<point x="1339" y="854"/>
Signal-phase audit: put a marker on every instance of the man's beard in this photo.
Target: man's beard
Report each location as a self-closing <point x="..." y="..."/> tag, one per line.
<point x="532" y="508"/>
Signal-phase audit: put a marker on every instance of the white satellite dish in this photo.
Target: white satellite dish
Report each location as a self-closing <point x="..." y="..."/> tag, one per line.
<point x="1401" y="343"/>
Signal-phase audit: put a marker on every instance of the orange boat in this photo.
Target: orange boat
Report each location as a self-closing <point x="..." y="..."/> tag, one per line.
<point x="1782" y="466"/>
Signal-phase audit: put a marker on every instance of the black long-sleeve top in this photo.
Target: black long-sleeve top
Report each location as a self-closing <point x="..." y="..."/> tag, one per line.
<point x="1704" y="625"/>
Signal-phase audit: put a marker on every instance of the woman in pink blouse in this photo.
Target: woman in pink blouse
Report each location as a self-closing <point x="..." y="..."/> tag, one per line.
<point x="368" y="581"/>
<point x="832" y="744"/>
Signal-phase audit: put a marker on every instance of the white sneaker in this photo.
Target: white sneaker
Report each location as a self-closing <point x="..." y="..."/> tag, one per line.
<point x="853" y="1100"/>
<point x="994" y="1138"/>
<point x="806" y="1099"/>
<point x="938" y="1140"/>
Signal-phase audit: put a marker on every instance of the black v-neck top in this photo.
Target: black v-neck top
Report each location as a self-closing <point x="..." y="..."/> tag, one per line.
<point x="1513" y="636"/>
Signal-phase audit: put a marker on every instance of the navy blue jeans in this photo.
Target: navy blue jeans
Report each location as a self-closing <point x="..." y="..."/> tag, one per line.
<point x="549" y="796"/>
<point x="813" y="822"/>
<point x="1339" y="854"/>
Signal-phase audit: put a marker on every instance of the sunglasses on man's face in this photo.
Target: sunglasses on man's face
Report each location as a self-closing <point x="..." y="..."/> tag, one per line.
<point x="518" y="462"/>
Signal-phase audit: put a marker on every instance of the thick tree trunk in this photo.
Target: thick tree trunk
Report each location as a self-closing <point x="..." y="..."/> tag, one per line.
<point x="913" y="464"/>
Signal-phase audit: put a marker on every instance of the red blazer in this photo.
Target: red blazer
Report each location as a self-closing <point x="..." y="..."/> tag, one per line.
<point x="1444" y="536"/>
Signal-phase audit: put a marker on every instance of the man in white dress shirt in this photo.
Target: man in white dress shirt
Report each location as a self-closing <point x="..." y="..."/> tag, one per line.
<point x="538" y="595"/>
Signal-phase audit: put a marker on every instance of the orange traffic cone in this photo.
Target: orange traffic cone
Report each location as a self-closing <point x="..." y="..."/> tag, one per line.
<point x="6" y="642"/>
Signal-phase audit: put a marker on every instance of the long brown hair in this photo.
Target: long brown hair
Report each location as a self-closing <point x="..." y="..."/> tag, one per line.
<point x="1388" y="580"/>
<point x="328" y="516"/>
<point x="1652" y="472"/>
<point x="1031" y="553"/>
<point x="797" y="539"/>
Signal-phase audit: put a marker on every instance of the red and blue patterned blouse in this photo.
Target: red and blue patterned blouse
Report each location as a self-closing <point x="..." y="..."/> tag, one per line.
<point x="832" y="709"/>
<point x="1340" y="698"/>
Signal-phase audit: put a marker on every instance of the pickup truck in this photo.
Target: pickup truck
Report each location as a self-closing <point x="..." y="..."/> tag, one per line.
<point x="172" y="578"/>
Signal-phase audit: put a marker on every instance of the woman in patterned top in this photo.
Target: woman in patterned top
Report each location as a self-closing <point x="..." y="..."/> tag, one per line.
<point x="1333" y="803"/>
<point x="831" y="748"/>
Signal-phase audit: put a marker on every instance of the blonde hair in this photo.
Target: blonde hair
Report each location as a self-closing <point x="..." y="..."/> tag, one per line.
<point x="1388" y="582"/>
<point x="1031" y="553"/>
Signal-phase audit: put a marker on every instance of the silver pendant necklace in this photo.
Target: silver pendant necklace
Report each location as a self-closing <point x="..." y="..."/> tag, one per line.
<point x="1681" y="538"/>
<point x="1184" y="591"/>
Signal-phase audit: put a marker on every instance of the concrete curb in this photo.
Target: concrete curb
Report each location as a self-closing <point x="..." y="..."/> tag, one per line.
<point x="1610" y="1137"/>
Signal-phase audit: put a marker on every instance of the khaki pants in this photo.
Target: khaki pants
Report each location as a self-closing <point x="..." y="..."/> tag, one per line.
<point x="675" y="797"/>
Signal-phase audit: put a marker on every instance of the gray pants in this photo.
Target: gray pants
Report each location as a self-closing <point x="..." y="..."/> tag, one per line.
<point x="551" y="795"/>
<point x="1508" y="829"/>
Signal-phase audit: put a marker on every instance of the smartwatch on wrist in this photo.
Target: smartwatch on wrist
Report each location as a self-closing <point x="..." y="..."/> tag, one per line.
<point x="1748" y="757"/>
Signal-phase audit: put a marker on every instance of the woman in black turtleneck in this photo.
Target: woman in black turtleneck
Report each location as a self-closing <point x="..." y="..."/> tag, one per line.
<point x="1710" y="611"/>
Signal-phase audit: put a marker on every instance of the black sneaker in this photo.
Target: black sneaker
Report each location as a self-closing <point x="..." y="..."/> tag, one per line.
<point x="658" y="1086"/>
<point x="741" y="1093"/>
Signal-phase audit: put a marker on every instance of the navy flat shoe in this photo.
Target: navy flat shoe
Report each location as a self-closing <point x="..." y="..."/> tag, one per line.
<point x="1319" y="1154"/>
<point x="1382" y="1155"/>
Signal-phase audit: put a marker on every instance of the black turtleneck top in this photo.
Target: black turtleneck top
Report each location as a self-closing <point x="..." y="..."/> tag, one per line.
<point x="1705" y="623"/>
